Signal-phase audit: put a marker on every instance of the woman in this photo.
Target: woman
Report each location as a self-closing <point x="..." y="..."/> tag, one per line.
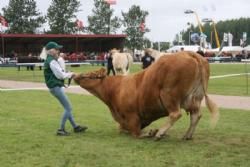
<point x="54" y="76"/>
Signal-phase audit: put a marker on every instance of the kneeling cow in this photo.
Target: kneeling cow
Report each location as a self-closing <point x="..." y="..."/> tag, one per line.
<point x="173" y="82"/>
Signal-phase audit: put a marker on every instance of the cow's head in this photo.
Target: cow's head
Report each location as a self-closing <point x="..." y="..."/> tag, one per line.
<point x="114" y="50"/>
<point x="93" y="75"/>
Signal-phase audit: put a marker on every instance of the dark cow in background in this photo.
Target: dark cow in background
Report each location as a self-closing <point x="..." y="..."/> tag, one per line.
<point x="175" y="81"/>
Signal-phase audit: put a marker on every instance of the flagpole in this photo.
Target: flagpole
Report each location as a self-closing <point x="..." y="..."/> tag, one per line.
<point x="110" y="2"/>
<point x="1" y="33"/>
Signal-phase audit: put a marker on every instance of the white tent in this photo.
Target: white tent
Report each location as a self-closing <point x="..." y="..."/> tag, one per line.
<point x="227" y="49"/>
<point x="232" y="49"/>
<point x="193" y="48"/>
<point x="247" y="48"/>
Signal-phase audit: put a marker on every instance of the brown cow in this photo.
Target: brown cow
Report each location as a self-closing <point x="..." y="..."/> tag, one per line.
<point x="175" y="81"/>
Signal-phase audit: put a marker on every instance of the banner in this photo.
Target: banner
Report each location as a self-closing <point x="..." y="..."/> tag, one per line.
<point x="111" y="2"/>
<point x="225" y="37"/>
<point x="3" y="21"/>
<point x="244" y="36"/>
<point x="195" y="38"/>
<point x="79" y="24"/>
<point x="142" y="26"/>
<point x="230" y="39"/>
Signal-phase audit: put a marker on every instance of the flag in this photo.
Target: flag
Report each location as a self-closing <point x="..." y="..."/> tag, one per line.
<point x="3" y="21"/>
<point x="111" y="2"/>
<point x="230" y="39"/>
<point x="244" y="36"/>
<point x="142" y="26"/>
<point x="225" y="37"/>
<point x="79" y="24"/>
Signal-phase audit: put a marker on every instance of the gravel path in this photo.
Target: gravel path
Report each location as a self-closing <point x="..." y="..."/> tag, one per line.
<point x="232" y="102"/>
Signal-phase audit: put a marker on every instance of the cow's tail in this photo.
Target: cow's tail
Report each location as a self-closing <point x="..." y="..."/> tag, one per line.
<point x="213" y="109"/>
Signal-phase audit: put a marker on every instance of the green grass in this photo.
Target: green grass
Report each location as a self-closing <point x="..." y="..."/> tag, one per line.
<point x="236" y="85"/>
<point x="29" y="119"/>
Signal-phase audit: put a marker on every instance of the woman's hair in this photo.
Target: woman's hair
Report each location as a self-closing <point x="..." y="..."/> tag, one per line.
<point x="43" y="54"/>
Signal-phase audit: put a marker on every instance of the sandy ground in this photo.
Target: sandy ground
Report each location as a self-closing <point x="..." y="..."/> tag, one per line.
<point x="232" y="102"/>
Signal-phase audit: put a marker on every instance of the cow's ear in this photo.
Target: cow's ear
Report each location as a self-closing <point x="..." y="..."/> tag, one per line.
<point x="103" y="72"/>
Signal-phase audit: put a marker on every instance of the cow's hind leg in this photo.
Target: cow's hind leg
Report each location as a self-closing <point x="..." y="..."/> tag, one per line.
<point x="195" y="115"/>
<point x="171" y="106"/>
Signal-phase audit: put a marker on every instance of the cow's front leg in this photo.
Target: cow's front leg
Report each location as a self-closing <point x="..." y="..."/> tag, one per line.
<point x="134" y="125"/>
<point x="122" y="129"/>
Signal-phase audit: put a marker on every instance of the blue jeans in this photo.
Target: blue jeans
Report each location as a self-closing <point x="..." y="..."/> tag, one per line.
<point x="59" y="93"/>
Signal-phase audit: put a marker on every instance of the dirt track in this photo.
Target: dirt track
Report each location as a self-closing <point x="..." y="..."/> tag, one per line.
<point x="233" y="102"/>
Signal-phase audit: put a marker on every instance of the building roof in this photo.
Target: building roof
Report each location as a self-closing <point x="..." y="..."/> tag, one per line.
<point x="26" y="43"/>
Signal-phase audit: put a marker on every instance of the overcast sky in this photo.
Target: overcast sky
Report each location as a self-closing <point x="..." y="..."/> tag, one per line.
<point x="166" y="17"/>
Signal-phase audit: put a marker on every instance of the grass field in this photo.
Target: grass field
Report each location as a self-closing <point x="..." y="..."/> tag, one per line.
<point x="29" y="119"/>
<point x="236" y="85"/>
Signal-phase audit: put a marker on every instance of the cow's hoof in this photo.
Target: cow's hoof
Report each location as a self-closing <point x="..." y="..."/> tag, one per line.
<point x="159" y="137"/>
<point x="152" y="132"/>
<point x="149" y="134"/>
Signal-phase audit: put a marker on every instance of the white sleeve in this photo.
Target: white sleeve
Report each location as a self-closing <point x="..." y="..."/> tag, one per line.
<point x="61" y="62"/>
<point x="58" y="71"/>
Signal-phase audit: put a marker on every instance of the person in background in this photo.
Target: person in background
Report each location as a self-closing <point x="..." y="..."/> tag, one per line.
<point x="110" y="66"/>
<point x="54" y="76"/>
<point x="200" y="52"/>
<point x="147" y="60"/>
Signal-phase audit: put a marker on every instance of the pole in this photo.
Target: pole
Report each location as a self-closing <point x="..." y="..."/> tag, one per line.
<point x="211" y="39"/>
<point x="216" y="36"/>
<point x="109" y="19"/>
<point x="3" y="46"/>
<point x="199" y="23"/>
<point x="189" y="37"/>
<point x="246" y="71"/>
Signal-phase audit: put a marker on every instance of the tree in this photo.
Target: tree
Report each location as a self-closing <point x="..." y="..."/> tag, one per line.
<point x="22" y="16"/>
<point x="135" y="28"/>
<point x="101" y="22"/>
<point x="62" y="16"/>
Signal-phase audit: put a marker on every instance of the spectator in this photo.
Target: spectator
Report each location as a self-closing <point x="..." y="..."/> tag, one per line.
<point x="109" y="64"/>
<point x="200" y="52"/>
<point x="147" y="60"/>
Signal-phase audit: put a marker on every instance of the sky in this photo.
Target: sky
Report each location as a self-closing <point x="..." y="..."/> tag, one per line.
<point x="166" y="17"/>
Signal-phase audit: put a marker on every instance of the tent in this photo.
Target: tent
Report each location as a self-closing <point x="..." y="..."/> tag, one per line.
<point x="193" y="48"/>
<point x="247" y="48"/>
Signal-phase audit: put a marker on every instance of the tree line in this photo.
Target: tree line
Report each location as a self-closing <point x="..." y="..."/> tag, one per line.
<point x="61" y="17"/>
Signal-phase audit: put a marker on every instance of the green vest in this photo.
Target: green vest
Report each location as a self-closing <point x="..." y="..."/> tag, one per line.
<point x="50" y="78"/>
